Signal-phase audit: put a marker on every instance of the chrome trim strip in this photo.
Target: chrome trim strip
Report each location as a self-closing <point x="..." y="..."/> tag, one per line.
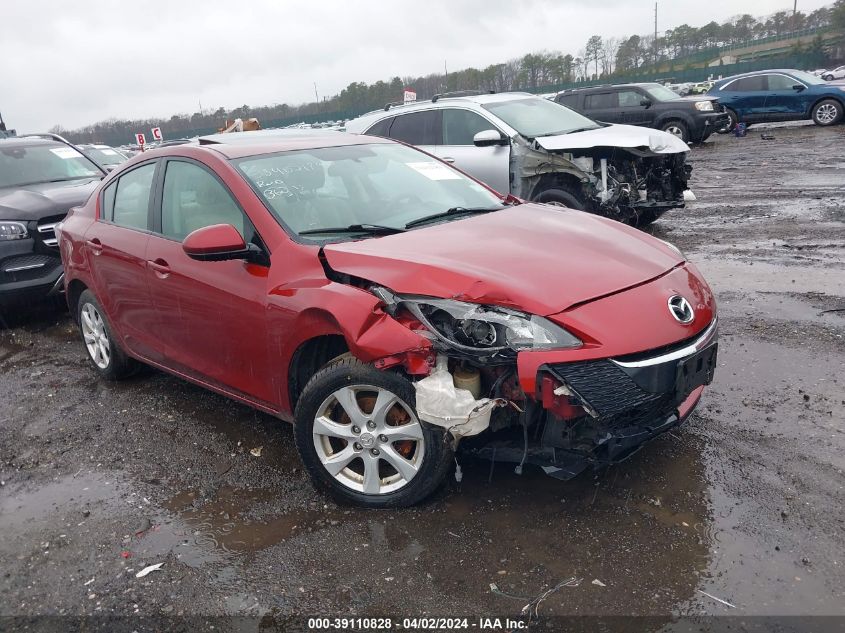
<point x="20" y="268"/>
<point x="696" y="346"/>
<point x="51" y="241"/>
<point x="58" y="287"/>
<point x="46" y="228"/>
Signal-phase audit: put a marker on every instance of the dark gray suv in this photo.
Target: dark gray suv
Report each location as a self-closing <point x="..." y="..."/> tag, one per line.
<point x="41" y="178"/>
<point x="692" y="119"/>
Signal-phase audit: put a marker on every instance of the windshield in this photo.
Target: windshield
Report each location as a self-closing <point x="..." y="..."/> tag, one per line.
<point x="28" y="165"/>
<point x="105" y="155"/>
<point x="389" y="185"/>
<point x="533" y="117"/>
<point x="661" y="93"/>
<point x="807" y="78"/>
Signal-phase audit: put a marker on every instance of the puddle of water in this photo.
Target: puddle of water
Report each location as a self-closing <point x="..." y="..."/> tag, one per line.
<point x="199" y="532"/>
<point x="742" y="276"/>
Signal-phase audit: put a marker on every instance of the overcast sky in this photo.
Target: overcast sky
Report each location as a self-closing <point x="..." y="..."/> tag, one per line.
<point x="76" y="62"/>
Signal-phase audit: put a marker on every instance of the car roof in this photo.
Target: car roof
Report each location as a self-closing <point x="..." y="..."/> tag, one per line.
<point x="26" y="141"/>
<point x="640" y="84"/>
<point x="445" y="101"/>
<point x="242" y="144"/>
<point x="754" y="73"/>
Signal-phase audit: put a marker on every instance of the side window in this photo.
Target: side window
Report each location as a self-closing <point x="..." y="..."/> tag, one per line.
<point x="570" y="101"/>
<point x="107" y="212"/>
<point x="461" y="126"/>
<point x="382" y="128"/>
<point x="132" y="198"/>
<point x="600" y="101"/>
<point x="193" y="199"/>
<point x="749" y="84"/>
<point x="630" y="99"/>
<point x="781" y="82"/>
<point x="417" y="128"/>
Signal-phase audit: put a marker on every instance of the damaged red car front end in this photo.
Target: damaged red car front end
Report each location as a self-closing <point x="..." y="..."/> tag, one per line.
<point x="641" y="325"/>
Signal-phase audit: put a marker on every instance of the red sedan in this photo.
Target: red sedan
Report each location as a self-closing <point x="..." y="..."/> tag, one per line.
<point x="388" y="306"/>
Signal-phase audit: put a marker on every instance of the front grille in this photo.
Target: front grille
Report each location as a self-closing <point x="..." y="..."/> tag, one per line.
<point x="47" y="231"/>
<point x="26" y="267"/>
<point x="617" y="400"/>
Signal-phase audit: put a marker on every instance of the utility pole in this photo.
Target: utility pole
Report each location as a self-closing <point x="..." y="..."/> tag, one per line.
<point x="654" y="44"/>
<point x="795" y="8"/>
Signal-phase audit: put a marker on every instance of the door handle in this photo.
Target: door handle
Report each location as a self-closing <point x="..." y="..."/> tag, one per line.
<point x="95" y="245"/>
<point x="160" y="267"/>
<point x="448" y="159"/>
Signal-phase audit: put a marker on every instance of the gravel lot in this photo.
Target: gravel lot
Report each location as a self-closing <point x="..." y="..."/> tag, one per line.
<point x="745" y="502"/>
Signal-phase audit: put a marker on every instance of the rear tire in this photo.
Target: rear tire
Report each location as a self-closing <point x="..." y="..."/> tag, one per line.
<point x="827" y="77"/>
<point x="677" y="128"/>
<point x="561" y="197"/>
<point x="346" y="420"/>
<point x="104" y="352"/>
<point x="827" y="112"/>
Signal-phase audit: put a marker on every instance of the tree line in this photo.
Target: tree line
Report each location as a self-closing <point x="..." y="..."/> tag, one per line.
<point x="599" y="58"/>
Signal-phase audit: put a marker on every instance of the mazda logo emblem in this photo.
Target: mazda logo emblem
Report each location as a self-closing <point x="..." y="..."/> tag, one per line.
<point x="681" y="309"/>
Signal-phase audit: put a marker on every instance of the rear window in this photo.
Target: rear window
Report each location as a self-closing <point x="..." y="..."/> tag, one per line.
<point x="33" y="164"/>
<point x="600" y="100"/>
<point x="417" y="128"/>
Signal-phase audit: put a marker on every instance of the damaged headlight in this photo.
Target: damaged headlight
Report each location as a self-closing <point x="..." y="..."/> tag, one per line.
<point x="704" y="106"/>
<point x="482" y="328"/>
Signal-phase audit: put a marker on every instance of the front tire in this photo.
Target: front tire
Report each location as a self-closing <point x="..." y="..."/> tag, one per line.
<point x="827" y="112"/>
<point x="561" y="197"/>
<point x="677" y="128"/>
<point x="105" y="354"/>
<point x="361" y="441"/>
<point x="827" y="77"/>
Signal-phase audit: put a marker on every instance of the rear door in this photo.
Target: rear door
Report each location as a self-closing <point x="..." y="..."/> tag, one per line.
<point x="603" y="106"/>
<point x="746" y="96"/>
<point x="491" y="165"/>
<point x="115" y="247"/>
<point x="211" y="316"/>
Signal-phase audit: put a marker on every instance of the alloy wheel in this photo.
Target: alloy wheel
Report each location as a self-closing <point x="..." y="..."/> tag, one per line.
<point x="96" y="338"/>
<point x="368" y="439"/>
<point x="827" y="113"/>
<point x="674" y="130"/>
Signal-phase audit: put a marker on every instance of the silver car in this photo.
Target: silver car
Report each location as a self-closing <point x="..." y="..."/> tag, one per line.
<point x="539" y="150"/>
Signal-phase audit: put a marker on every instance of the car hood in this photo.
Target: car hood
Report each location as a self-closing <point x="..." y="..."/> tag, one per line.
<point x="33" y="202"/>
<point x="531" y="257"/>
<point x="616" y="136"/>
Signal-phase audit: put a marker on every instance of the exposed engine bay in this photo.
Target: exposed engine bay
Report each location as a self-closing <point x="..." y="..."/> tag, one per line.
<point x="634" y="185"/>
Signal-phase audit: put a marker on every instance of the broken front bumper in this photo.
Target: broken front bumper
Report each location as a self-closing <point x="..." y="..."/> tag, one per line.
<point x="600" y="412"/>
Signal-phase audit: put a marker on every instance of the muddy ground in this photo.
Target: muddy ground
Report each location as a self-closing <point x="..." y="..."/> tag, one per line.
<point x="744" y="503"/>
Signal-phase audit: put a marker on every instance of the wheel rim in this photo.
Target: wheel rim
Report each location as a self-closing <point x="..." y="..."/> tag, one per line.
<point x="827" y="113"/>
<point x="94" y="333"/>
<point x="368" y="439"/>
<point x="674" y="130"/>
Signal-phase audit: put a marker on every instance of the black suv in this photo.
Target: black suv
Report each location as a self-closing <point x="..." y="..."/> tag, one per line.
<point x="41" y="178"/>
<point x="692" y="119"/>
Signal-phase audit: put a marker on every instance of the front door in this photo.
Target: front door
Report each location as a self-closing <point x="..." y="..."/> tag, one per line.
<point x="783" y="101"/>
<point x="491" y="165"/>
<point x="115" y="246"/>
<point x="211" y="315"/>
<point x="632" y="110"/>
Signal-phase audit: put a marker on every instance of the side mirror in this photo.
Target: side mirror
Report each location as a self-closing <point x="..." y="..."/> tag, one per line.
<point x="488" y="138"/>
<point x="646" y="103"/>
<point x="798" y="87"/>
<point x="215" y="243"/>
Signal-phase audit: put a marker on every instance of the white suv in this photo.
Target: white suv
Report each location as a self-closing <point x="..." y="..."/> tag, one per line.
<point x="539" y="150"/>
